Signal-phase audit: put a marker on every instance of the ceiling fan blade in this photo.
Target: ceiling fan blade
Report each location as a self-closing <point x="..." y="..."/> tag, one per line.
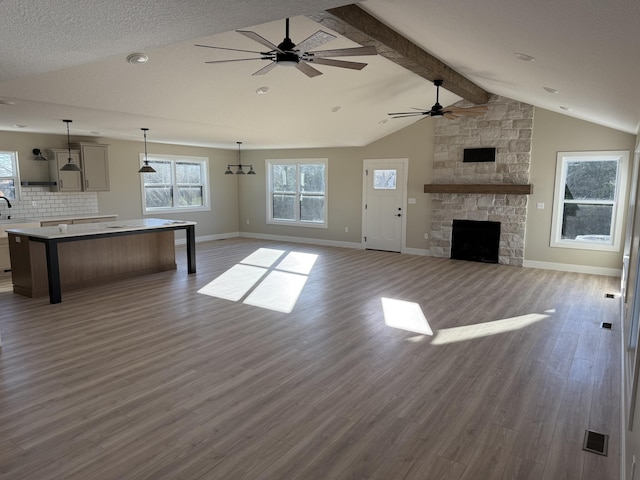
<point x="407" y="114"/>
<point x="339" y="63"/>
<point x="308" y="70"/>
<point x="314" y="41"/>
<point x="236" y="60"/>
<point x="345" y="52"/>
<point x="266" y="69"/>
<point x="225" y="48"/>
<point x="261" y="40"/>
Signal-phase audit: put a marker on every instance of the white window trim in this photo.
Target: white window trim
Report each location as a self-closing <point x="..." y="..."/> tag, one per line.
<point x="618" y="210"/>
<point x="204" y="161"/>
<point x="305" y="161"/>
<point x="16" y="169"/>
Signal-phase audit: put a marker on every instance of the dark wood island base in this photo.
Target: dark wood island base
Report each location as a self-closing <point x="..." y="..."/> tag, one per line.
<point x="54" y="262"/>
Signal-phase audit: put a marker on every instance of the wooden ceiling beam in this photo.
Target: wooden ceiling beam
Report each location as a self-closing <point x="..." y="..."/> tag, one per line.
<point x="354" y="23"/>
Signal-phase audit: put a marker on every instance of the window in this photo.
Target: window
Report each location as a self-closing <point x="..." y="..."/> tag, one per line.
<point x="9" y="175"/>
<point x="179" y="184"/>
<point x="297" y="192"/>
<point x="384" y="179"/>
<point x="589" y="188"/>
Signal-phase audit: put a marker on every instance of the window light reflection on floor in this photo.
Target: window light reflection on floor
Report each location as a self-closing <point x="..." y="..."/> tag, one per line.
<point x="405" y="316"/>
<point x="262" y="281"/>
<point x="234" y="283"/>
<point x="279" y="291"/>
<point x="478" y="330"/>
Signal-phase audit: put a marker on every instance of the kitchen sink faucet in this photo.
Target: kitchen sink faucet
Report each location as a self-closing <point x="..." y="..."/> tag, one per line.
<point x="8" y="203"/>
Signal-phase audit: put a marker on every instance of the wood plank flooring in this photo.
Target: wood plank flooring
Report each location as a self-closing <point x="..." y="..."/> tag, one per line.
<point x="148" y="379"/>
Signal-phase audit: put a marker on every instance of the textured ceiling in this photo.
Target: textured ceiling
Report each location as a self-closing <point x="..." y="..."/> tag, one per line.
<point x="66" y="59"/>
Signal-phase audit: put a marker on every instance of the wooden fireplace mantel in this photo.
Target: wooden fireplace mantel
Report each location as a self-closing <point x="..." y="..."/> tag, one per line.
<point x="487" y="188"/>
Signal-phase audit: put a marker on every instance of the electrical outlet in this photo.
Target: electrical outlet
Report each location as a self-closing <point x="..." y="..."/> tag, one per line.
<point x="426" y="236"/>
<point x="247" y="221"/>
<point x="346" y="229"/>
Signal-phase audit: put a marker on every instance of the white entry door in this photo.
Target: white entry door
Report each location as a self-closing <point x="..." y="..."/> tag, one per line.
<point x="384" y="204"/>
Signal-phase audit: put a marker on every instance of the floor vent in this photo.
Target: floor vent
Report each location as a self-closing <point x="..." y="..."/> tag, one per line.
<point x="609" y="295"/>
<point x="606" y="325"/>
<point x="596" y="442"/>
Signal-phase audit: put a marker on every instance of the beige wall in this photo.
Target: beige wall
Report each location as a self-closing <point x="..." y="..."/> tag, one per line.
<point x="552" y="133"/>
<point x="345" y="186"/>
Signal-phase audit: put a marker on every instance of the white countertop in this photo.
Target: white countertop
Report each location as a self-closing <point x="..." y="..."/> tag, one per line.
<point x="101" y="228"/>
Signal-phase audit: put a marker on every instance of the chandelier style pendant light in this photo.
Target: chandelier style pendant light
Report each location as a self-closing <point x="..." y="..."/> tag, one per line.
<point x="240" y="170"/>
<point x="70" y="166"/>
<point x="146" y="168"/>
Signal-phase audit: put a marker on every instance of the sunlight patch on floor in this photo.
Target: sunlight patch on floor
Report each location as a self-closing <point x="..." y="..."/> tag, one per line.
<point x="234" y="283"/>
<point x="405" y="316"/>
<point x="479" y="330"/>
<point x="298" y="262"/>
<point x="264" y="282"/>
<point x="279" y="291"/>
<point x="263" y="257"/>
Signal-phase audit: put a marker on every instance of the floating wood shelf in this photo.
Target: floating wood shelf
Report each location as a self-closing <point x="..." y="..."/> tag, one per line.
<point x="489" y="188"/>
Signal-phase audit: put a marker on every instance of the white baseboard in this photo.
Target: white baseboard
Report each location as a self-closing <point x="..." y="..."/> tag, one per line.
<point x="567" y="267"/>
<point x="563" y="267"/>
<point x="312" y="241"/>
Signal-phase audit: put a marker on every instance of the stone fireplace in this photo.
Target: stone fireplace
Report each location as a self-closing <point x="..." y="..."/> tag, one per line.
<point x="508" y="127"/>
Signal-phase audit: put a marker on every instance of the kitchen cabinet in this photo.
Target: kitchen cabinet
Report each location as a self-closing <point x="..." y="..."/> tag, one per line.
<point x="64" y="181"/>
<point x="95" y="166"/>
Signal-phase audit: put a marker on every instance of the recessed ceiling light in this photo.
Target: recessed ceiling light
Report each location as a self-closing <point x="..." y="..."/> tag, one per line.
<point x="137" y="58"/>
<point x="382" y="122"/>
<point x="15" y="125"/>
<point x="262" y="90"/>
<point x="95" y="132"/>
<point x="336" y="109"/>
<point x="551" y="90"/>
<point x="7" y="102"/>
<point x="524" y="57"/>
<point x="566" y="109"/>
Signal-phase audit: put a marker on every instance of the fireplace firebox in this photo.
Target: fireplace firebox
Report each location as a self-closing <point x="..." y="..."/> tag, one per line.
<point x="475" y="241"/>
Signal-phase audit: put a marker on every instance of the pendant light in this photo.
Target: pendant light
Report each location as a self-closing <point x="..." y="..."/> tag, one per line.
<point x="70" y="166"/>
<point x="240" y="170"/>
<point x="146" y="168"/>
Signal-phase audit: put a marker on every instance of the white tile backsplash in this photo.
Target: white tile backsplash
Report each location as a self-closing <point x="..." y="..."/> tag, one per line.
<point x="39" y="202"/>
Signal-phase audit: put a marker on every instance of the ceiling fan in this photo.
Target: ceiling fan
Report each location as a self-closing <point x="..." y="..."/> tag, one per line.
<point x="437" y="110"/>
<point x="299" y="56"/>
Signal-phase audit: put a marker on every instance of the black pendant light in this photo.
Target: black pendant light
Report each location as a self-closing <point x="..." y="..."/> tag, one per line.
<point x="70" y="166"/>
<point x="146" y="168"/>
<point x="240" y="170"/>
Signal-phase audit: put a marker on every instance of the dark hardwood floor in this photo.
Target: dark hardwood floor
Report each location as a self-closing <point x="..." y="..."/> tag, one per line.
<point x="149" y="379"/>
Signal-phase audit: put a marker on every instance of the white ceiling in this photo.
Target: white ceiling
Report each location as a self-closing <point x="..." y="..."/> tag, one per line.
<point x="66" y="59"/>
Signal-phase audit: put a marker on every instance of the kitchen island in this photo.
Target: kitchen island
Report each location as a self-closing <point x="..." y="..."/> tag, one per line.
<point x="57" y="258"/>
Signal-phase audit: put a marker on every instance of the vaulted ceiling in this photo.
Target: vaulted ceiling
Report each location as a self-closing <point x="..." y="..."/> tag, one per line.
<point x="66" y="59"/>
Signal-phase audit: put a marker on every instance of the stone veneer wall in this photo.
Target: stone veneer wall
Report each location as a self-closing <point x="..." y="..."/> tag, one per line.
<point x="508" y="126"/>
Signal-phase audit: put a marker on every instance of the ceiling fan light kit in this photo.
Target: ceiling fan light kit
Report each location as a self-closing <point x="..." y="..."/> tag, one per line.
<point x="437" y="110"/>
<point x="300" y="56"/>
